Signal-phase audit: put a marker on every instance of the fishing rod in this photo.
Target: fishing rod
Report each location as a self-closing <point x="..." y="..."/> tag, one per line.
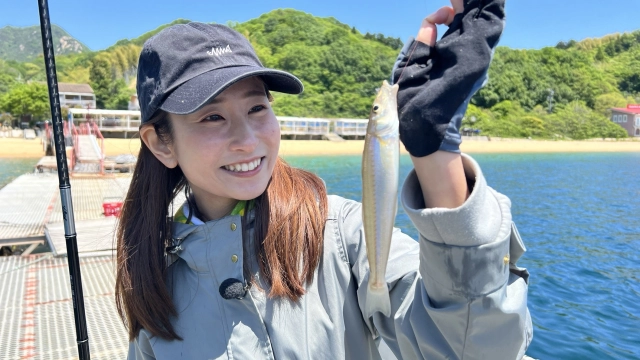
<point x="77" y="296"/>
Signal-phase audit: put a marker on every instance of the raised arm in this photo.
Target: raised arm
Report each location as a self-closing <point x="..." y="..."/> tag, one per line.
<point x="437" y="81"/>
<point x="470" y="298"/>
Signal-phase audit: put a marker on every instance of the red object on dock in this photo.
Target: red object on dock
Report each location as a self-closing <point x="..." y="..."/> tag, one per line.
<point x="111" y="208"/>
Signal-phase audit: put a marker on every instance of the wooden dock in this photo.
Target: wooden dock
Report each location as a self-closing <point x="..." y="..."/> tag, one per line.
<point x="32" y="212"/>
<point x="35" y="299"/>
<point x="27" y="206"/>
<point x="37" y="313"/>
<point x="111" y="165"/>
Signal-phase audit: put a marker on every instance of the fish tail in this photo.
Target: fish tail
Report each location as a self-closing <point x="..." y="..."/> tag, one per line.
<point x="378" y="300"/>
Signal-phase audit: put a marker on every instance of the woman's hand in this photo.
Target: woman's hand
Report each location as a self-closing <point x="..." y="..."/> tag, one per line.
<point x="437" y="81"/>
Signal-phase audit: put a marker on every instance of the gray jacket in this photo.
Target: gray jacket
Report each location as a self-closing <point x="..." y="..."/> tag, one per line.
<point x="455" y="294"/>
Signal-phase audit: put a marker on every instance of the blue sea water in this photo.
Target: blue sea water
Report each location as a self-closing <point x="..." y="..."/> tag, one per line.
<point x="12" y="168"/>
<point x="579" y="215"/>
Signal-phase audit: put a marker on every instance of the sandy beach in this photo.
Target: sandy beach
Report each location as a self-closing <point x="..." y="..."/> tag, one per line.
<point x="20" y="148"/>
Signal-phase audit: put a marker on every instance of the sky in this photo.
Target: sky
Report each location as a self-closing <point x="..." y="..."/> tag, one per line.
<point x="531" y="24"/>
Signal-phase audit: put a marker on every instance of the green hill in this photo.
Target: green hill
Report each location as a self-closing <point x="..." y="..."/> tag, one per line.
<point x="341" y="69"/>
<point x="25" y="43"/>
<point x="584" y="78"/>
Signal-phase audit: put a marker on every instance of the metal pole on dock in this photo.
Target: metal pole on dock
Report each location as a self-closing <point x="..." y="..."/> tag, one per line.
<point x="65" y="186"/>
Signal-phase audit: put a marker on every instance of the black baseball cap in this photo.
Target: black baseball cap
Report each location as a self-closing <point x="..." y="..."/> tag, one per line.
<point x="184" y="66"/>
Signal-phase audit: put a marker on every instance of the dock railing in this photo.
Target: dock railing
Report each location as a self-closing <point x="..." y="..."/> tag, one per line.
<point x="108" y="120"/>
<point x="92" y="129"/>
<point x="350" y="127"/>
<point x="70" y="128"/>
<point x="129" y="121"/>
<point x="290" y="125"/>
<point x="47" y="141"/>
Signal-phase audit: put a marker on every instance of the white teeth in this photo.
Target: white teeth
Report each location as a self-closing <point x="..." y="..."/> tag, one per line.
<point x="244" y="166"/>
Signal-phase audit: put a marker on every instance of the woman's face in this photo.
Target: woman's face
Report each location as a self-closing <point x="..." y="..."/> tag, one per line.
<point x="228" y="149"/>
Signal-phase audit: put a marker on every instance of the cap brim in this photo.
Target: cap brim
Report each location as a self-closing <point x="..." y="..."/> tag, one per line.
<point x="198" y="91"/>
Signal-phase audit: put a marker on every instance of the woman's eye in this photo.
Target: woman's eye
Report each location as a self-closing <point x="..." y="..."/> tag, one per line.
<point x="213" y="117"/>
<point x="257" y="108"/>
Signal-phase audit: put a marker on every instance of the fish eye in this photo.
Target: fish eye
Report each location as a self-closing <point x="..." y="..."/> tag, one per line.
<point x="375" y="107"/>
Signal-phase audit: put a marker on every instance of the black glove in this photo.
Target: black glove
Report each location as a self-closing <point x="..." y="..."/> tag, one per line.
<point x="438" y="82"/>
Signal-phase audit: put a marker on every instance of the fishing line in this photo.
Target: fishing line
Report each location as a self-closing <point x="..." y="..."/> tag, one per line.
<point x="415" y="44"/>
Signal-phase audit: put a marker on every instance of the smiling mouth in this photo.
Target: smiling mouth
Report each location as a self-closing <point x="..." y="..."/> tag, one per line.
<point x="244" y="167"/>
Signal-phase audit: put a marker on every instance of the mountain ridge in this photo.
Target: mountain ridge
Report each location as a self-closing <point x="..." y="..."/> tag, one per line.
<point x="24" y="43"/>
<point x="530" y="93"/>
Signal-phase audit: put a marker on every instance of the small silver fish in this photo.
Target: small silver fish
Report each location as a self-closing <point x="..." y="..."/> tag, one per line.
<point x="380" y="161"/>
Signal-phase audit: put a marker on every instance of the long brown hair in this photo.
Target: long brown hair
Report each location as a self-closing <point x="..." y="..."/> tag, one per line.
<point x="288" y="234"/>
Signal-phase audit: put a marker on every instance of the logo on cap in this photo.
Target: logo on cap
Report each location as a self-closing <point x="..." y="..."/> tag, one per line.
<point x="217" y="51"/>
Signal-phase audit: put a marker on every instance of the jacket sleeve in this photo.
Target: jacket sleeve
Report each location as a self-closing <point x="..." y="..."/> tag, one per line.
<point x="457" y="292"/>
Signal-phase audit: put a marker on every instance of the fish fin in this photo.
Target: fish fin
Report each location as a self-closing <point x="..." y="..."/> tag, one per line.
<point x="378" y="300"/>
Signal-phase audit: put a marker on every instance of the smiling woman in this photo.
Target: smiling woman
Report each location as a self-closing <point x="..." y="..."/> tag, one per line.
<point x="223" y="152"/>
<point x="261" y="263"/>
<point x="216" y="145"/>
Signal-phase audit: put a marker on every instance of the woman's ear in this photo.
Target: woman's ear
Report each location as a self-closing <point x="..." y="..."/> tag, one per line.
<point x="163" y="152"/>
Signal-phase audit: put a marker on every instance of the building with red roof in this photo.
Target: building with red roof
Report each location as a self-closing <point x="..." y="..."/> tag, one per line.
<point x="628" y="118"/>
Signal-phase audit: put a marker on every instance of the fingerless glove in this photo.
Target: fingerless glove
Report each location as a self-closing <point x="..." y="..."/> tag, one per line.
<point x="438" y="82"/>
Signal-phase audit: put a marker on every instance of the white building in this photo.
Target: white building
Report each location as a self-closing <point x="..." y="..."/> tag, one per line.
<point x="76" y="95"/>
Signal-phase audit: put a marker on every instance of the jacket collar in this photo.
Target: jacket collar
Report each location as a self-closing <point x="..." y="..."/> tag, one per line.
<point x="190" y="241"/>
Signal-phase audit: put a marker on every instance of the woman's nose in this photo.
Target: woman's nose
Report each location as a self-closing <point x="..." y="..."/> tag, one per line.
<point x="244" y="136"/>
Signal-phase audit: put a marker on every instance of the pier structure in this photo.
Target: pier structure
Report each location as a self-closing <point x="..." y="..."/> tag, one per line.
<point x="351" y="128"/>
<point x="125" y="123"/>
<point x="33" y="213"/>
<point x="35" y="298"/>
<point x="303" y="127"/>
<point x="84" y="145"/>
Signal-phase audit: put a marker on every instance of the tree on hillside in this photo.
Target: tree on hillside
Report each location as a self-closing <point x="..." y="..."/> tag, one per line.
<point x="340" y="68"/>
<point x="631" y="83"/>
<point x="394" y="43"/>
<point x="6" y="82"/>
<point x="27" y="101"/>
<point x="605" y="102"/>
<point x="110" y="74"/>
<point x="9" y="76"/>
<point x="578" y="122"/>
<point x="504" y="121"/>
<point x="101" y="80"/>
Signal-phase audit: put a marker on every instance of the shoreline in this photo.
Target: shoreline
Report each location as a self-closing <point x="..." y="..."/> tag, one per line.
<point x="17" y="148"/>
